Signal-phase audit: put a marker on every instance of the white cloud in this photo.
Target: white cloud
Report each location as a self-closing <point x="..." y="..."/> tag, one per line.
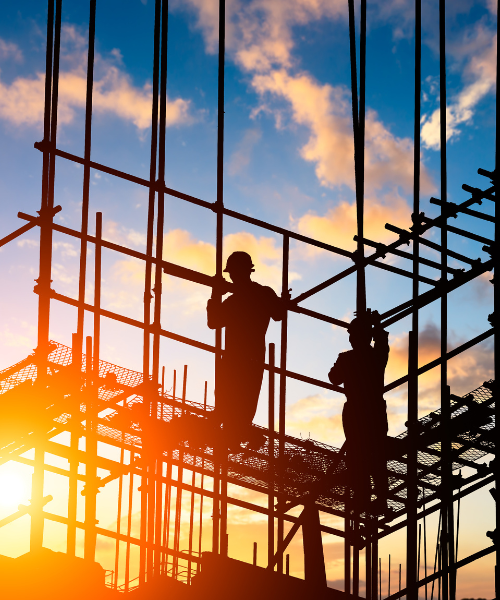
<point x="260" y="40"/>
<point x="22" y="101"/>
<point x="480" y="72"/>
<point x="9" y="50"/>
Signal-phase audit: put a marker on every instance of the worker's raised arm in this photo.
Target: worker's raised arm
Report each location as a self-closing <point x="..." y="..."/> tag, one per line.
<point x="381" y="339"/>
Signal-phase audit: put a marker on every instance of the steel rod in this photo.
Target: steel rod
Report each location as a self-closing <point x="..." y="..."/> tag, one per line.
<point x="86" y="171"/>
<point x="271" y="461"/>
<point x="282" y="393"/>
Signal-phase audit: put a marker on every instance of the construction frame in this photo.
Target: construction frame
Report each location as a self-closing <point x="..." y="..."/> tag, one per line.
<point x="74" y="386"/>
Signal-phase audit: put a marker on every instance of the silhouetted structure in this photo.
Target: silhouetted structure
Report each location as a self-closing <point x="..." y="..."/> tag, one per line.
<point x="74" y="391"/>
<point x="245" y="315"/>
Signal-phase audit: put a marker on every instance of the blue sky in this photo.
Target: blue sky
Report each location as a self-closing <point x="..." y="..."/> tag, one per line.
<point x="288" y="160"/>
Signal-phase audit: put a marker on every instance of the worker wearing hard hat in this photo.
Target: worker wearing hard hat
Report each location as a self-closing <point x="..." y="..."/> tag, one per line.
<point x="364" y="416"/>
<point x="245" y="315"/>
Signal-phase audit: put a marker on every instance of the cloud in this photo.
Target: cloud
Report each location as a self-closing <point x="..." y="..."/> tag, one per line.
<point x="466" y="371"/>
<point x="481" y="73"/>
<point x="22" y="101"/>
<point x="338" y="225"/>
<point x="318" y="417"/>
<point x="260" y="40"/>
<point x="181" y="248"/>
<point x="326" y="111"/>
<point x="259" y="33"/>
<point x="9" y="50"/>
<point x="28" y="243"/>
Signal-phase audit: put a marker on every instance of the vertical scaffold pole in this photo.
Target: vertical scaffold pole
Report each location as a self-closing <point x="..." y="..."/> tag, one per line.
<point x="412" y="494"/>
<point x="148" y="265"/>
<point x="86" y="173"/>
<point x="219" y="502"/>
<point x="347" y="539"/>
<point x="148" y="495"/>
<point x="43" y="288"/>
<point x="76" y="360"/>
<point x="496" y="308"/>
<point x="360" y="170"/>
<point x="368" y="561"/>
<point x="282" y="399"/>
<point x="270" y="497"/>
<point x="151" y="199"/>
<point x="375" y="562"/>
<point x="446" y="465"/>
<point x="90" y="489"/>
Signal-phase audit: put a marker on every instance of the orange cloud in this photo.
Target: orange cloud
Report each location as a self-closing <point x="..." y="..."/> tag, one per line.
<point x="338" y="225"/>
<point x="318" y="417"/>
<point x="325" y="110"/>
<point x="465" y="371"/>
<point x="181" y="248"/>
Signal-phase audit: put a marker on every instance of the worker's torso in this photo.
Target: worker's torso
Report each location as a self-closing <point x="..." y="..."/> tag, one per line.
<point x="364" y="376"/>
<point x="246" y="316"/>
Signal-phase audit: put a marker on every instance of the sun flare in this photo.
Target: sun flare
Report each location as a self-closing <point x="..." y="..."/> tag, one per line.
<point x="14" y="489"/>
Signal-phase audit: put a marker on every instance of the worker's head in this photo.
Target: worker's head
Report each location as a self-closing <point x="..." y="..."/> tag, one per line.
<point x="239" y="266"/>
<point x="360" y="332"/>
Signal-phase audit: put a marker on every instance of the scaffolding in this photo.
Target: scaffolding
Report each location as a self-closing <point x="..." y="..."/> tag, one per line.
<point x="161" y="435"/>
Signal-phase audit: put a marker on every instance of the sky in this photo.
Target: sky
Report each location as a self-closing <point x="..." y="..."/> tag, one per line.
<point x="288" y="160"/>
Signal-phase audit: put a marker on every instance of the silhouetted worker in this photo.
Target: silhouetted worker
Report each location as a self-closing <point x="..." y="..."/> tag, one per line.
<point x="364" y="416"/>
<point x="245" y="315"/>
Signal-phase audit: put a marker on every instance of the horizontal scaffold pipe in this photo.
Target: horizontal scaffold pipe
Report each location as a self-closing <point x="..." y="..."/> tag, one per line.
<point x="15" y="234"/>
<point x="176" y="270"/>
<point x="190" y="342"/>
<point x="203" y="203"/>
<point x="431" y="509"/>
<point x="438" y="361"/>
<point x="107" y="464"/>
<point x="438" y="574"/>
<point x="230" y="213"/>
<point x="405" y="309"/>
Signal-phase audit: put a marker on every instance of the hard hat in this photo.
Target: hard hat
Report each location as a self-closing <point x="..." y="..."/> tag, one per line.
<point x="361" y="324"/>
<point x="238" y="261"/>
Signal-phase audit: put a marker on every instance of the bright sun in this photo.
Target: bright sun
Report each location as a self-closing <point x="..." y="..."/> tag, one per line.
<point x="14" y="489"/>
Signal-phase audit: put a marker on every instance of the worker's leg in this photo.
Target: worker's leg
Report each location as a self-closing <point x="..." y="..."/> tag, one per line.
<point x="380" y="476"/>
<point x="357" y="456"/>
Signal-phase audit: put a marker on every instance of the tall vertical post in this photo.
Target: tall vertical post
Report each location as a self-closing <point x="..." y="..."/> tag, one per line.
<point x="270" y="496"/>
<point x="282" y="398"/>
<point x="91" y="407"/>
<point x="220" y="504"/>
<point x="496" y="308"/>
<point x="355" y="554"/>
<point x="446" y="466"/>
<point x="90" y="489"/>
<point x="347" y="539"/>
<point x="368" y="562"/>
<point x="412" y="494"/>
<point x="152" y="192"/>
<point x="148" y="496"/>
<point x="360" y="169"/>
<point x="43" y="288"/>
<point x="86" y="173"/>
<point x="76" y="358"/>
<point x="375" y="563"/>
